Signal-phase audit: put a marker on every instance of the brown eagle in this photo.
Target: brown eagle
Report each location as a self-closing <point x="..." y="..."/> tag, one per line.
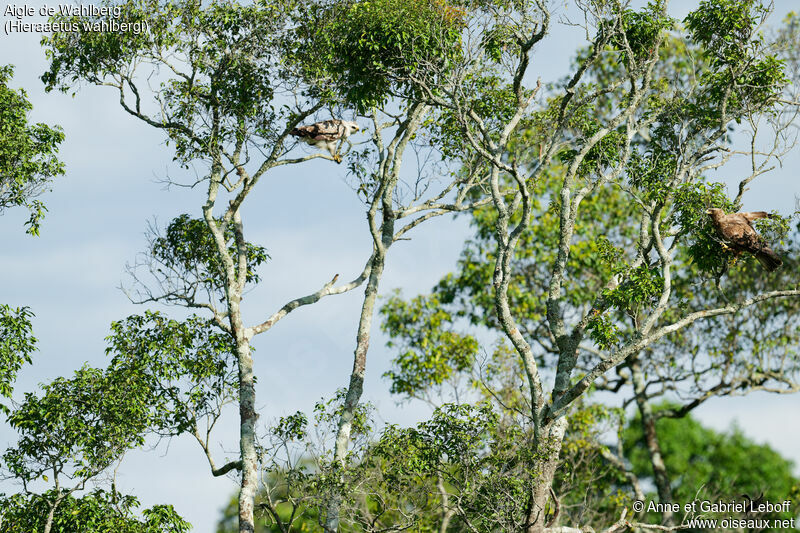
<point x="326" y="134"/>
<point x="736" y="231"/>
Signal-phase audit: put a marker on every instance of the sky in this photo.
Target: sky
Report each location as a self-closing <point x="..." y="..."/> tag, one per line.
<point x="313" y="227"/>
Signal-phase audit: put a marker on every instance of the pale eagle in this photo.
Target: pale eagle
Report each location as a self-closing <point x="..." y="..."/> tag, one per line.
<point x="736" y="231"/>
<point x="326" y="134"/>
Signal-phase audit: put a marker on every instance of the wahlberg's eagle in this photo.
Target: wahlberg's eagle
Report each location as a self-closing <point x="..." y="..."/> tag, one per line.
<point x="325" y="134"/>
<point x="736" y="231"/>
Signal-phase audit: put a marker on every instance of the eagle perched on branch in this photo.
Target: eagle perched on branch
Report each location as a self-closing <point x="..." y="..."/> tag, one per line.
<point x="326" y="134"/>
<point x="736" y="231"/>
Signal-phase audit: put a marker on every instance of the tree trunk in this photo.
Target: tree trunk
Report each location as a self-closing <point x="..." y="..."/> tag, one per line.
<point x="383" y="237"/>
<point x="247" y="441"/>
<point x="51" y="514"/>
<point x="355" y="388"/>
<point x="651" y="440"/>
<point x="247" y="420"/>
<point x="549" y="449"/>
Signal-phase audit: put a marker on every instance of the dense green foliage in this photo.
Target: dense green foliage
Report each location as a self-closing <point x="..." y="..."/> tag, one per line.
<point x="17" y="344"/>
<point x="432" y="353"/>
<point x="636" y="183"/>
<point x="742" y="73"/>
<point x="715" y="466"/>
<point x="79" y="426"/>
<point x="641" y="31"/>
<point x="187" y="252"/>
<point x="478" y="456"/>
<point x="370" y="50"/>
<point x="27" y="153"/>
<point x="96" y="512"/>
<point x="187" y="367"/>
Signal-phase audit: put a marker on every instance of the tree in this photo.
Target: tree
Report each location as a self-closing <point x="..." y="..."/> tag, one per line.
<point x="27" y="164"/>
<point x="230" y="69"/>
<point x="414" y="477"/>
<point x="78" y="427"/>
<point x="71" y="434"/>
<point x="27" y="153"/>
<point x="218" y="107"/>
<point x="718" y="463"/>
<point x="96" y="512"/>
<point x="636" y="304"/>
<point x="17" y="344"/>
<point x="596" y="258"/>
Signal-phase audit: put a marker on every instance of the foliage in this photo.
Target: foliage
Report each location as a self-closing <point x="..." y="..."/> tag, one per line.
<point x="641" y="31"/>
<point x="604" y="223"/>
<point x="284" y="503"/>
<point x="96" y="512"/>
<point x="298" y="473"/>
<point x="603" y="331"/>
<point x="722" y="26"/>
<point x="490" y="479"/>
<point x="432" y="353"/>
<point x="327" y="414"/>
<point x="642" y="286"/>
<point x="639" y="253"/>
<point x="188" y="367"/>
<point x="603" y="245"/>
<point x="187" y="251"/>
<point x="451" y="450"/>
<point x="651" y="172"/>
<point x="303" y="519"/>
<point x="608" y="237"/>
<point x="742" y="77"/>
<point x="79" y="426"/>
<point x="222" y="55"/>
<point x="28" y="160"/>
<point x="17" y="343"/>
<point x="455" y="434"/>
<point x="471" y="448"/>
<point x="591" y="489"/>
<point x="715" y="466"/>
<point x="691" y="203"/>
<point x="373" y="49"/>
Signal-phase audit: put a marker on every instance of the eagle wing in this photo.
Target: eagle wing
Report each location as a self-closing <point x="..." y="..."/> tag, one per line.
<point x="755" y="215"/>
<point x="739" y="233"/>
<point x="327" y="130"/>
<point x="736" y="229"/>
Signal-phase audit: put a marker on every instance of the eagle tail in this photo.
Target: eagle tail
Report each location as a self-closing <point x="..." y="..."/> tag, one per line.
<point x="769" y="259"/>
